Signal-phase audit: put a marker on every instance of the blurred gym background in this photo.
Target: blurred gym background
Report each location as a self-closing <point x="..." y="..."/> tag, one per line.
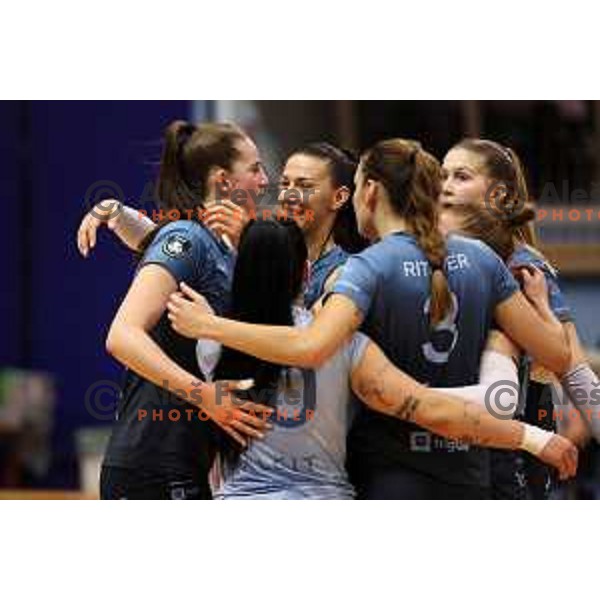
<point x="57" y="384"/>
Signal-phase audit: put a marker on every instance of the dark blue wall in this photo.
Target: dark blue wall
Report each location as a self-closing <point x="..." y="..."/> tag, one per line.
<point x="11" y="246"/>
<point x="55" y="306"/>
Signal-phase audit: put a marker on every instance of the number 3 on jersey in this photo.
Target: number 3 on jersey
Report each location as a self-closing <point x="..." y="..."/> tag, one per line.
<point x="443" y="335"/>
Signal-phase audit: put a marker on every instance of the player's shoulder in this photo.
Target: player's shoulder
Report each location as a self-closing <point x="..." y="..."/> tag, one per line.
<point x="472" y="247"/>
<point x="382" y="251"/>
<point x="460" y="242"/>
<point x="524" y="253"/>
<point x="527" y="255"/>
<point x="181" y="237"/>
<point x="190" y="228"/>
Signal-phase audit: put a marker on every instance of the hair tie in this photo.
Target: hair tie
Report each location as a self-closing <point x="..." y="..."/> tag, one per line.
<point x="505" y="153"/>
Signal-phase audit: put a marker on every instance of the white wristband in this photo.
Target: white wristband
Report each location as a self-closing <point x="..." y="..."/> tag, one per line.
<point x="534" y="439"/>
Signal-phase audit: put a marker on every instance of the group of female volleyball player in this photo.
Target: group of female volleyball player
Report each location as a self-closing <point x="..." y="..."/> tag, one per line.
<point x="365" y="395"/>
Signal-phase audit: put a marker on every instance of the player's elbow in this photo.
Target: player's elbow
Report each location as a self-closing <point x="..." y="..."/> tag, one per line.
<point x="115" y="339"/>
<point x="111" y="343"/>
<point x="560" y="359"/>
<point x="310" y="359"/>
<point x="312" y="354"/>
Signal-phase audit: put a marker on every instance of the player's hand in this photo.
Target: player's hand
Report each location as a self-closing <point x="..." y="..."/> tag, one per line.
<point x="106" y="212"/>
<point x="561" y="454"/>
<point x="576" y="430"/>
<point x="226" y="219"/>
<point x="189" y="312"/>
<point x="533" y="283"/>
<point x="242" y="420"/>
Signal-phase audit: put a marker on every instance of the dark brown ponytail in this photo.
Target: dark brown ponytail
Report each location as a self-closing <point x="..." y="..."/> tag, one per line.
<point x="173" y="189"/>
<point x="412" y="179"/>
<point x="189" y="153"/>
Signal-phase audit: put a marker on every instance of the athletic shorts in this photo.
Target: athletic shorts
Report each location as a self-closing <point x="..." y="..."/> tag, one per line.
<point x="125" y="484"/>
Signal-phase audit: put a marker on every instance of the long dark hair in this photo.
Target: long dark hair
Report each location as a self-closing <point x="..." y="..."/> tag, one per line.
<point x="412" y="179"/>
<point x="188" y="155"/>
<point x="342" y="165"/>
<point x="268" y="277"/>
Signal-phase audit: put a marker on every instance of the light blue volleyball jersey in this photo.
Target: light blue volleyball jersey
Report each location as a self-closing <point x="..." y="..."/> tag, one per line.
<point x="320" y="270"/>
<point x="304" y="455"/>
<point x="525" y="255"/>
<point x="390" y="284"/>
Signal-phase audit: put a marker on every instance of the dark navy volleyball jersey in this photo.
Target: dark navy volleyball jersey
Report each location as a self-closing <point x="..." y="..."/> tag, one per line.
<point x="320" y="270"/>
<point x="390" y="284"/>
<point x="169" y="440"/>
<point x="525" y="255"/>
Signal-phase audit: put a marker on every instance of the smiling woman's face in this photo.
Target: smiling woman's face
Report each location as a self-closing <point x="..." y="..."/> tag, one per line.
<point x="310" y="176"/>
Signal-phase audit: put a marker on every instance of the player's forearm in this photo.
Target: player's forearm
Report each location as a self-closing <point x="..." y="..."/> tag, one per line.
<point x="131" y="227"/>
<point x="393" y="393"/>
<point x="135" y="349"/>
<point x="469" y="423"/>
<point x="474" y="425"/>
<point x="575" y="428"/>
<point x="466" y="421"/>
<point x="468" y="393"/>
<point x="551" y="348"/>
<point x="544" y="342"/>
<point x="553" y="326"/>
<point x="583" y="387"/>
<point x="386" y="389"/>
<point x="278" y="344"/>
